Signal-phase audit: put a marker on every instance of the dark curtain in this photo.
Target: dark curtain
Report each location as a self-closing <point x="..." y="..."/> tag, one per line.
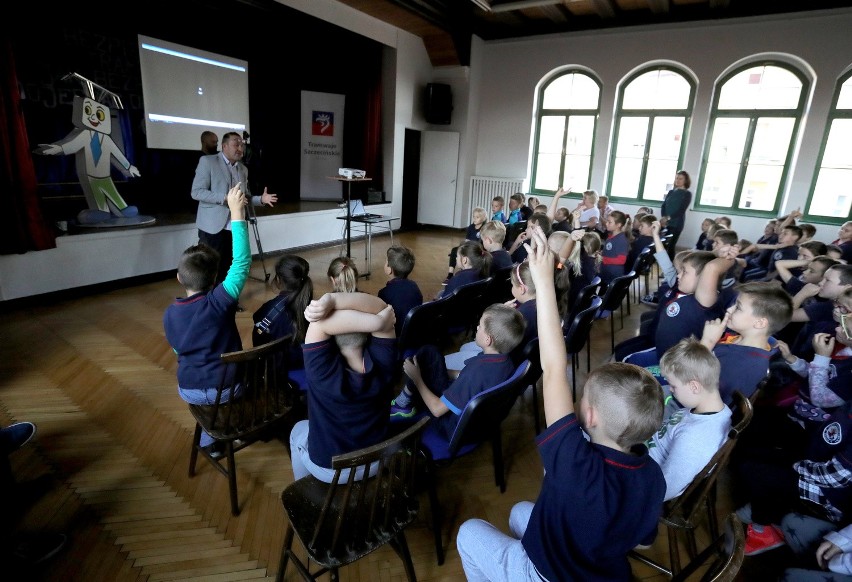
<point x="22" y="227"/>
<point x="373" y="129"/>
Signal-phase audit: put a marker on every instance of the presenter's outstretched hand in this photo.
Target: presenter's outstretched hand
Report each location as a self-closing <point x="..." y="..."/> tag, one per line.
<point x="268" y="199"/>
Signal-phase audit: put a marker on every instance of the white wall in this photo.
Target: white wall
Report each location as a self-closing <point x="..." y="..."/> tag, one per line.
<point x="511" y="70"/>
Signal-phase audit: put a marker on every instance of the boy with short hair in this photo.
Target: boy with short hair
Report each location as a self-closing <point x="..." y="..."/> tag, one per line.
<point x="516" y="202"/>
<point x="400" y="292"/>
<point x="202" y="326"/>
<point x="691" y="436"/>
<point x="598" y="499"/>
<point x="350" y="359"/>
<point x="492" y="236"/>
<point x="786" y="249"/>
<point x="500" y="330"/>
<point x="817" y="315"/>
<point x="761" y="309"/>
<point x="497" y="209"/>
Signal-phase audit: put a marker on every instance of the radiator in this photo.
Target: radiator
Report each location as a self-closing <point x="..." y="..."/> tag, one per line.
<point x="484" y="188"/>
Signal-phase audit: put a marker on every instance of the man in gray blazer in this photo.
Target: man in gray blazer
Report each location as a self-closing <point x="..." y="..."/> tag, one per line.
<point x="215" y="175"/>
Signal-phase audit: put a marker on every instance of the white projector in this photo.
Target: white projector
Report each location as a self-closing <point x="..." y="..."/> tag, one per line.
<point x="350" y="173"/>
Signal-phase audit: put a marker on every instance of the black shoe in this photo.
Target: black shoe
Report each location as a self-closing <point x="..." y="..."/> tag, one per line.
<point x="37" y="548"/>
<point x="14" y="436"/>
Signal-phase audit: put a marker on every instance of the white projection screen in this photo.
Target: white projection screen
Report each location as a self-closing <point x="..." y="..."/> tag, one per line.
<point x="187" y="91"/>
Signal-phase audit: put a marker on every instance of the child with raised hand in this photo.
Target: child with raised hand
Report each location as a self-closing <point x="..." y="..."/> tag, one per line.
<point x="201" y="326"/>
<point x="343" y="275"/>
<point x="616" y="247"/>
<point x="285" y="314"/>
<point x="473" y="264"/>
<point x="600" y="498"/>
<point x="478" y="217"/>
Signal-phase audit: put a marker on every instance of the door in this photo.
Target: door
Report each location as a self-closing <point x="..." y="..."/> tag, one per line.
<point x="439" y="167"/>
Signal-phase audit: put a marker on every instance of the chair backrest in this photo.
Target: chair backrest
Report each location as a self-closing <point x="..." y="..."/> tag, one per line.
<point x="722" y="558"/>
<point x="617" y="290"/>
<point x="580" y="327"/>
<point x="483" y="414"/>
<point x="264" y="394"/>
<point x="644" y="260"/>
<point x="464" y="306"/>
<point x="423" y="324"/>
<point x="375" y="505"/>
<point x="583" y="299"/>
<point x="681" y="510"/>
<point x="512" y="232"/>
<point x="500" y="288"/>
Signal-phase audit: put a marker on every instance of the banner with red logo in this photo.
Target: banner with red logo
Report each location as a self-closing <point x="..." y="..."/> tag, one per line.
<point x="322" y="145"/>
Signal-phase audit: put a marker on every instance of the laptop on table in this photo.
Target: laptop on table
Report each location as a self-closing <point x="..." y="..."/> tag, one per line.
<point x="356" y="210"/>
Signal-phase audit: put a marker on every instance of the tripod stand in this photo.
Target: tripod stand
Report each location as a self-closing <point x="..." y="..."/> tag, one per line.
<point x="252" y="219"/>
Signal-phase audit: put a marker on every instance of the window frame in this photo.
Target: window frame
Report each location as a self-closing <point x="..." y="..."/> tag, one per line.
<point x="753" y="115"/>
<point x="651" y="114"/>
<point x="566" y="113"/>
<point x="833" y="113"/>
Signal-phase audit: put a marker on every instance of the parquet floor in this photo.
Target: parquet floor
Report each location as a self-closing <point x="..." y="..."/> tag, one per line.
<point x="98" y="378"/>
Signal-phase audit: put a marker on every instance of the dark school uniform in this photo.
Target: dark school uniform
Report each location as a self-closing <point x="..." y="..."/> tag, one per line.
<point x="500" y="259"/>
<point x="682" y="316"/>
<point x="463" y="277"/>
<point x="614" y="254"/>
<point x="402" y="295"/>
<point x="271" y="322"/>
<point x="595" y="505"/>
<point x="742" y="367"/>
<point x="347" y="410"/>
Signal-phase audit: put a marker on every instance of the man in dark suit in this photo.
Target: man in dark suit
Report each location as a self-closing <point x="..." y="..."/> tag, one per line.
<point x="215" y="175"/>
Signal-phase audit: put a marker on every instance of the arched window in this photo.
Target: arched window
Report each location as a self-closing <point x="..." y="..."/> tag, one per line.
<point x="831" y="192"/>
<point x="567" y="115"/>
<point x="753" y="126"/>
<point x="654" y="109"/>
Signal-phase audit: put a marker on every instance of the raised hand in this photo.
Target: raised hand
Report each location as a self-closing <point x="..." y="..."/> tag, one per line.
<point x="823" y="344"/>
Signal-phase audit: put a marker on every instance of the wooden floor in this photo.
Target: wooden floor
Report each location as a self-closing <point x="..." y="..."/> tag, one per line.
<point x="98" y="378"/>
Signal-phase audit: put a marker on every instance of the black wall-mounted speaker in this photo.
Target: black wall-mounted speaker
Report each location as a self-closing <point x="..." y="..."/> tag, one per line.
<point x="439" y="104"/>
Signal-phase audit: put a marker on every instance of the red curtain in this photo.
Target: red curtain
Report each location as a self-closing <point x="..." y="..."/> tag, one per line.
<point x="373" y="130"/>
<point x="22" y="227"/>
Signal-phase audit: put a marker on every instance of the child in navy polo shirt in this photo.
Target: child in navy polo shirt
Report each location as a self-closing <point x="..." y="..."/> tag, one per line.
<point x="761" y="309"/>
<point x="350" y="358"/>
<point x="600" y="498"/>
<point x="201" y="327"/>
<point x="492" y="236"/>
<point x="500" y="330"/>
<point x="786" y="249"/>
<point x="817" y="315"/>
<point x="401" y="293"/>
<point x="696" y="301"/>
<point x="616" y="247"/>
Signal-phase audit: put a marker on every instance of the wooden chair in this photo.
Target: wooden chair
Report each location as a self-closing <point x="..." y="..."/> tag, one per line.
<point x="265" y="397"/>
<point x="480" y="421"/>
<point x="341" y="522"/>
<point x="681" y="515"/>
<point x="722" y="558"/>
<point x="613" y="299"/>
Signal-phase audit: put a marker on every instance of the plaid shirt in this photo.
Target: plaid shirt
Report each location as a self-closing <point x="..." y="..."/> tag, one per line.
<point x="814" y="476"/>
